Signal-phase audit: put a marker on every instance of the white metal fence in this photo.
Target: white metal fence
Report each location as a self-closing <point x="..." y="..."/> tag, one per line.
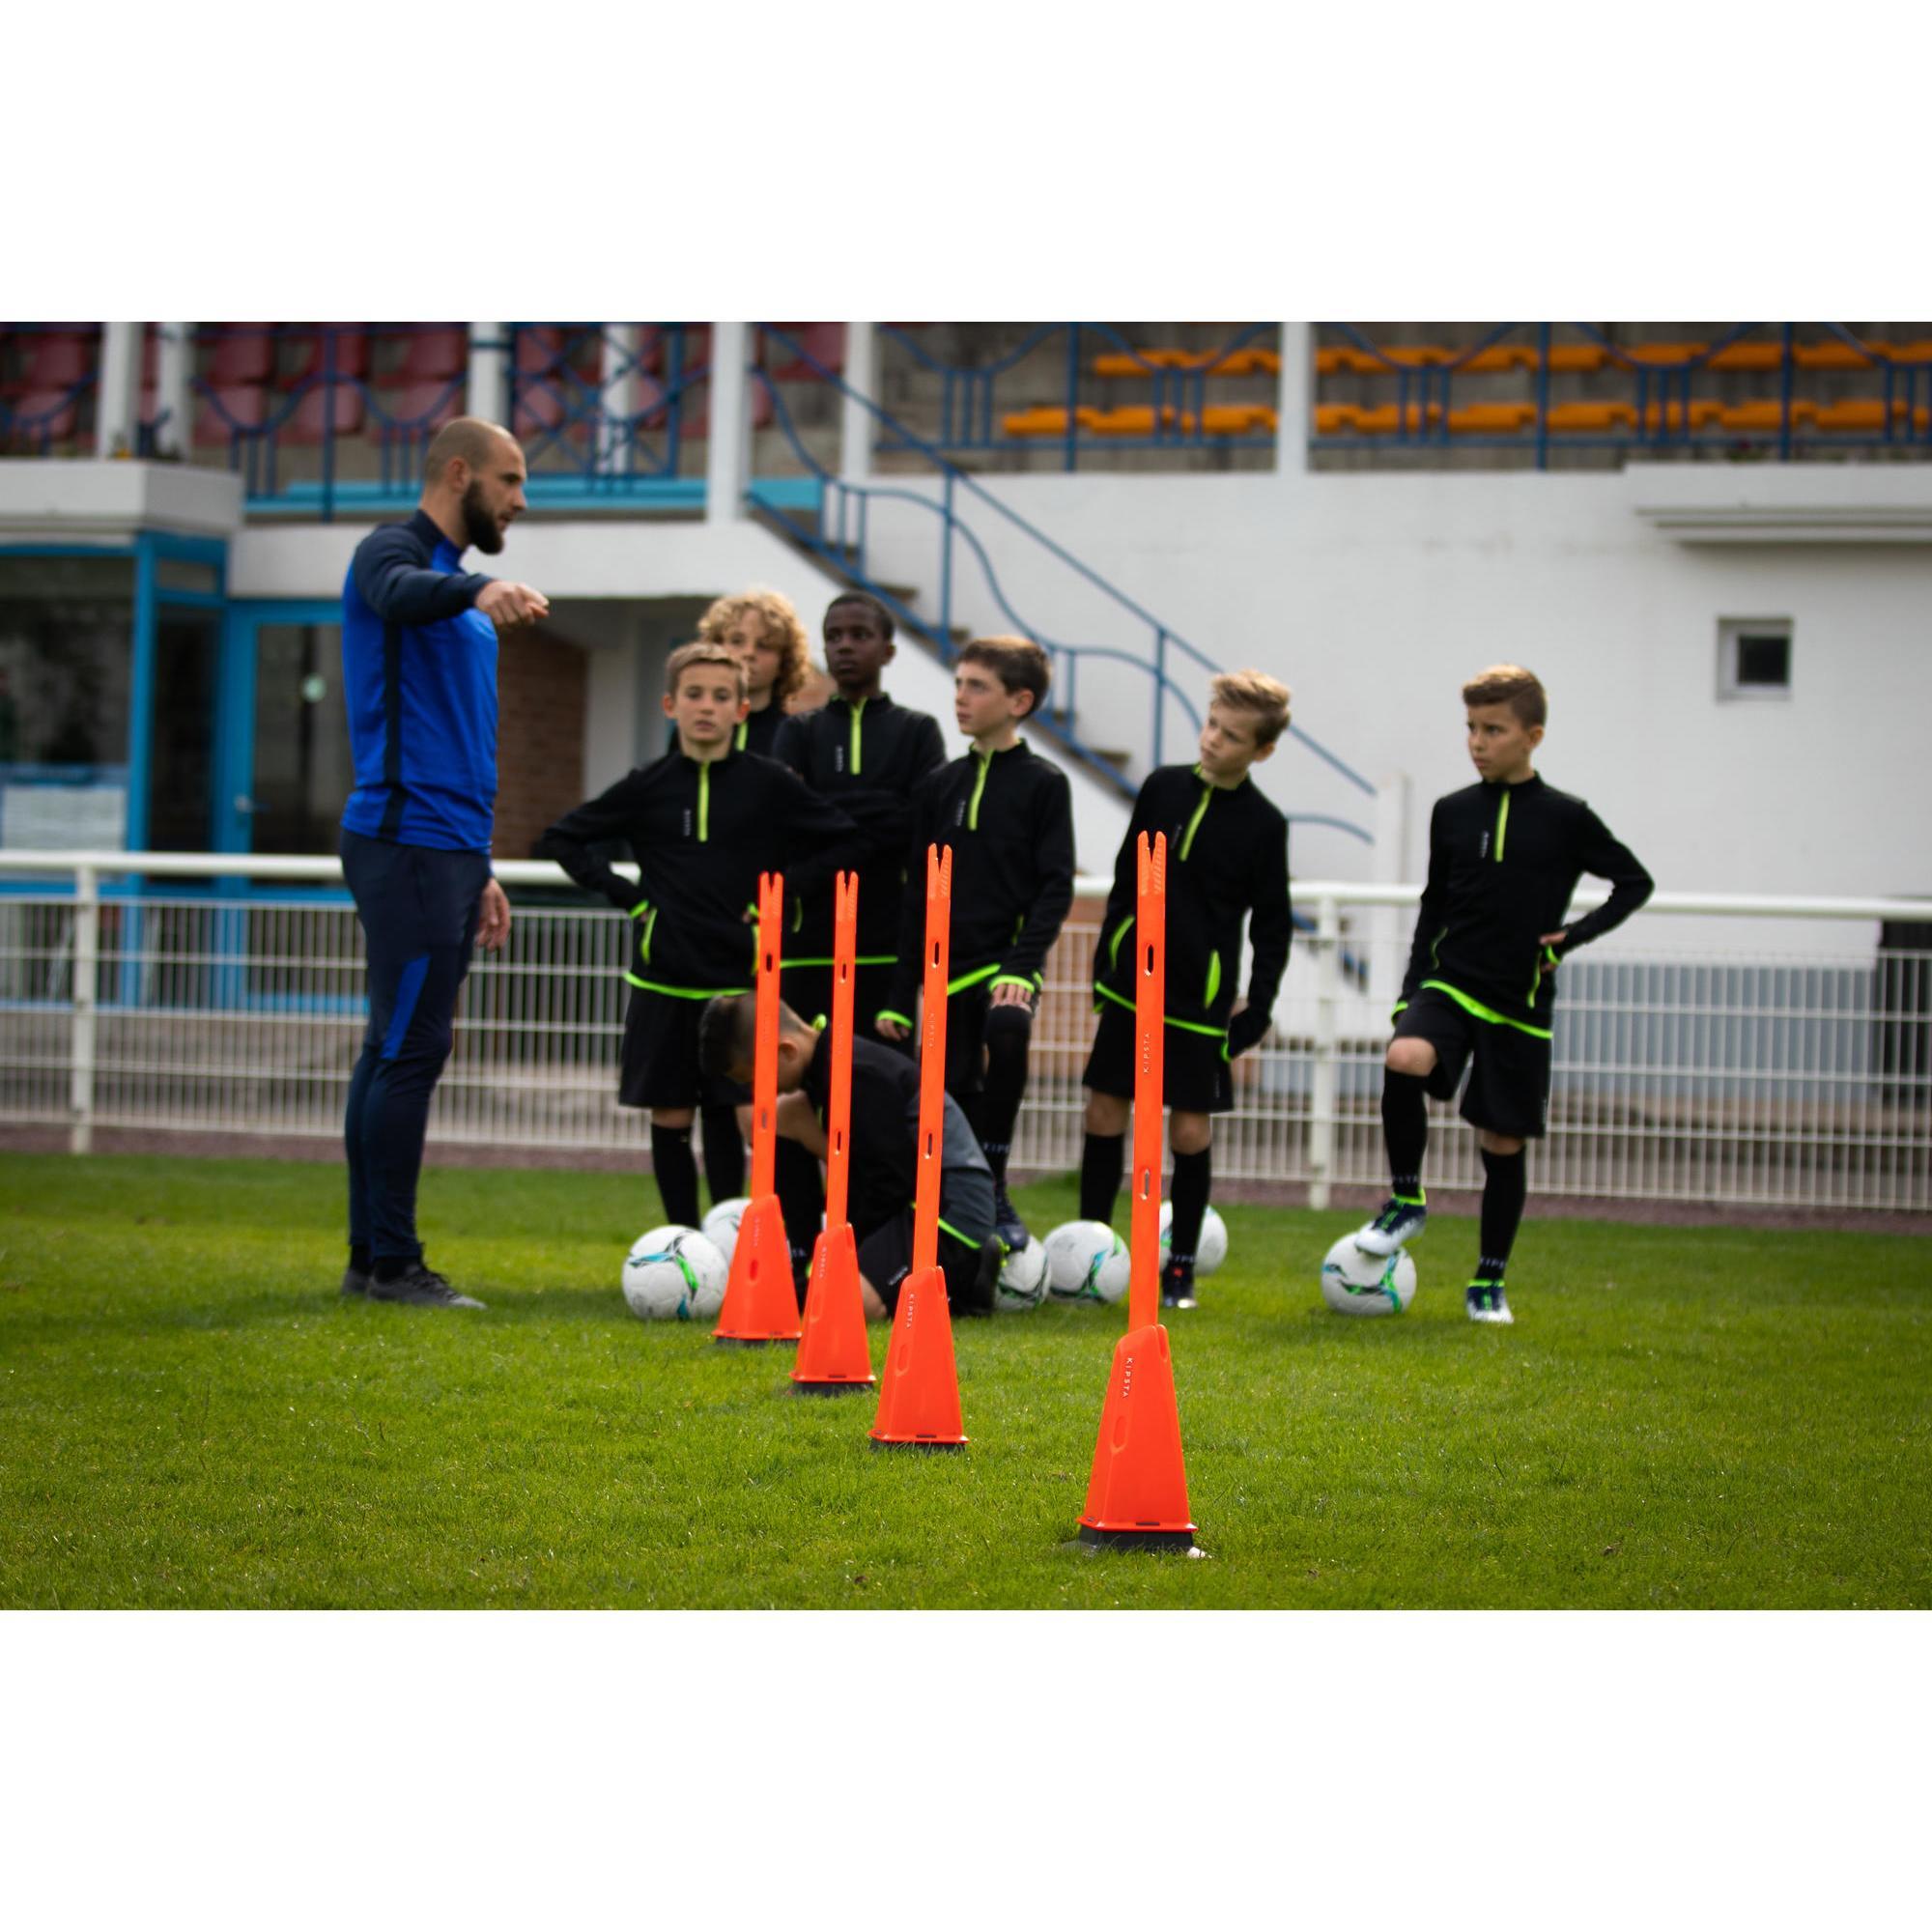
<point x="1763" y="1052"/>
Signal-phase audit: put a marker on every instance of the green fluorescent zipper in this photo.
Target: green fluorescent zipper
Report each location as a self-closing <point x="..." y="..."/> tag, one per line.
<point x="1194" y="823"/>
<point x="979" y="787"/>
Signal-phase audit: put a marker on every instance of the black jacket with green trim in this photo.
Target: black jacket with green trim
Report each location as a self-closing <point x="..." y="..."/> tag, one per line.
<point x="700" y="833"/>
<point x="1227" y="859"/>
<point x="1503" y="865"/>
<point x="868" y="758"/>
<point x="1009" y="820"/>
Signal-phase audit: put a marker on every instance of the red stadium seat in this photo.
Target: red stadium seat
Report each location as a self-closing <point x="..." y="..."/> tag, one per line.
<point x="310" y="422"/>
<point x="57" y="361"/>
<point x="217" y="418"/>
<point x="423" y="406"/>
<point x="351" y="353"/>
<point x="243" y="354"/>
<point x="823" y="341"/>
<point x="434" y="355"/>
<point x="40" y="415"/>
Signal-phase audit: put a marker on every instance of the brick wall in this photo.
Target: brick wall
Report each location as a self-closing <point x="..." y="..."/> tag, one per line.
<point x="540" y="683"/>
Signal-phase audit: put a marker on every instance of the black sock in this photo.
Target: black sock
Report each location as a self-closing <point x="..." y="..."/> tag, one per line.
<point x="1009" y="1030"/>
<point x="1505" y="1188"/>
<point x="358" y="1257"/>
<point x="723" y="1153"/>
<point x="1405" y="1130"/>
<point x="1193" y="1176"/>
<point x="1102" y="1161"/>
<point x="800" y="1192"/>
<point x="676" y="1174"/>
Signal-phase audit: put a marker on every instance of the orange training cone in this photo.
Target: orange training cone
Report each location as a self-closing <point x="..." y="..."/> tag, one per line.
<point x="919" y="1395"/>
<point x="833" y="1356"/>
<point x="1137" y="1494"/>
<point x="760" y="1303"/>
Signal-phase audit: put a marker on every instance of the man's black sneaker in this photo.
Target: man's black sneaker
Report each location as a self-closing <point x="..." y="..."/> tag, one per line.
<point x="1399" y="1222"/>
<point x="356" y="1280"/>
<point x="1006" y="1223"/>
<point x="1177" y="1289"/>
<point x="420" y="1288"/>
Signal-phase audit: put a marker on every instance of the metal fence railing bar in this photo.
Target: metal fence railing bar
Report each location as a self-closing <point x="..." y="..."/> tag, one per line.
<point x="1768" y="1052"/>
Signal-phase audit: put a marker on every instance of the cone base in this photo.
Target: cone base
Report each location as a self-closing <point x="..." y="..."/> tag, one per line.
<point x="1136" y="1539"/>
<point x="917" y="1443"/>
<point x="855" y="1386"/>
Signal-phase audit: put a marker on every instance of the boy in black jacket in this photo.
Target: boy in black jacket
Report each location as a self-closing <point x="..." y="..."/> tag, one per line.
<point x="1504" y="858"/>
<point x="884" y="1152"/>
<point x="866" y="754"/>
<point x="1007" y="815"/>
<point x="1227" y="859"/>
<point x="703" y="823"/>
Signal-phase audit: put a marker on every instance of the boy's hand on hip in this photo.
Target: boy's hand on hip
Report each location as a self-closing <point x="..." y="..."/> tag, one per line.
<point x="1010" y="994"/>
<point x="1556" y="940"/>
<point x="493" y="923"/>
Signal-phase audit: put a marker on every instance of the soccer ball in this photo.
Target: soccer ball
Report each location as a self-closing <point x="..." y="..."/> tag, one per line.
<point x="674" y="1274"/>
<point x="720" y="1226"/>
<point x="1086" y="1261"/>
<point x="1022" y="1282"/>
<point x="1213" y="1248"/>
<point x="1353" y="1283"/>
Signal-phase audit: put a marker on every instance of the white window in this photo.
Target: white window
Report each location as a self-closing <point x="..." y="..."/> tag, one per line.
<point x="1754" y="656"/>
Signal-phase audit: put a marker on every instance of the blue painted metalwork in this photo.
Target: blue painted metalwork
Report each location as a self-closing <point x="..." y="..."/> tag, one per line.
<point x="1659" y="399"/>
<point x="840" y="539"/>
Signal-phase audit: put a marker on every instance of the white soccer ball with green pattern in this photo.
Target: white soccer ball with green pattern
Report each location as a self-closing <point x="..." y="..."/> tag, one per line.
<point x="1022" y="1282"/>
<point x="1212" y="1250"/>
<point x="1353" y="1283"/>
<point x="1086" y="1261"/>
<point x="720" y="1225"/>
<point x="674" y="1274"/>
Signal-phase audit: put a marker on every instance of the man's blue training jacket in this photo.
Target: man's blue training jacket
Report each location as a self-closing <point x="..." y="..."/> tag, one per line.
<point x="419" y="676"/>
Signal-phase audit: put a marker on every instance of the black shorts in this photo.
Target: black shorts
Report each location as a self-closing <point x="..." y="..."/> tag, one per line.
<point x="885" y="1259"/>
<point x="659" y="1067"/>
<point x="1509" y="1081"/>
<point x="808" y="992"/>
<point x="1195" y="1075"/>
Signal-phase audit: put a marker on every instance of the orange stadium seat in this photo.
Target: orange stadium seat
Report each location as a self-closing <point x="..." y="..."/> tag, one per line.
<point x="1389" y="419"/>
<point x="1237" y="419"/>
<point x="1332" y="419"/>
<point x="1045" y="421"/>
<point x="1575" y="358"/>
<point x="1671" y="416"/>
<point x="1761" y="356"/>
<point x="1491" y="418"/>
<point x="1863" y="415"/>
<point x="1765" y="416"/>
<point x="1589" y="418"/>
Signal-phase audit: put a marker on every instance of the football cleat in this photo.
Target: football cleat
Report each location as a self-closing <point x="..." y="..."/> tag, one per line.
<point x="1398" y="1223"/>
<point x="1486" y="1301"/>
<point x="1006" y="1223"/>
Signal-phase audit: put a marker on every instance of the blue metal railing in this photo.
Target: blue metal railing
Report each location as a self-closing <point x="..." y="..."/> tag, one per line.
<point x="1176" y="398"/>
<point x="841" y="537"/>
<point x="1663" y="404"/>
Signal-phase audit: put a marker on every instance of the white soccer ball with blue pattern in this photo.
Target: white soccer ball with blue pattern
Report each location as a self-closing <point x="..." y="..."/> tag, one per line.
<point x="674" y="1274"/>
<point x="1086" y="1261"/>
<point x="1212" y="1250"/>
<point x="1353" y="1283"/>
<point x="1022" y="1282"/>
<point x="720" y="1225"/>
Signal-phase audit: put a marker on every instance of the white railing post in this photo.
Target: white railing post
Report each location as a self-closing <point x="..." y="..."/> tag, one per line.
<point x="728" y="463"/>
<point x="617" y="384"/>
<point x="1295" y="403"/>
<point x="855" y="420"/>
<point x="86" y="971"/>
<point x="119" y="401"/>
<point x="173" y="367"/>
<point x="489" y="382"/>
<point x="1323" y="1082"/>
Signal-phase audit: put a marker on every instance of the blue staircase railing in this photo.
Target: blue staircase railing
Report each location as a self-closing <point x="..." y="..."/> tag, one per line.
<point x="841" y="537"/>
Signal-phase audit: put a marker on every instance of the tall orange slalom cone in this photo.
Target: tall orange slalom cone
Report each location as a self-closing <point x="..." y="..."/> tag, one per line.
<point x="760" y="1302"/>
<point x="1137" y="1494"/>
<point x="835" y="1357"/>
<point x="919" y="1394"/>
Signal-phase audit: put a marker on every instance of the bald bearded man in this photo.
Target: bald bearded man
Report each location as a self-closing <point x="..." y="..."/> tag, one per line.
<point x="420" y="675"/>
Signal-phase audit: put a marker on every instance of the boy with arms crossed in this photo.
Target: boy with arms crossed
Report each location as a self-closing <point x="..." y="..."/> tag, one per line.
<point x="1504" y="858"/>
<point x="1227" y="859"/>
<point x="866" y="754"/>
<point x="702" y="822"/>
<point x="1007" y="815"/>
<point x="884" y="1152"/>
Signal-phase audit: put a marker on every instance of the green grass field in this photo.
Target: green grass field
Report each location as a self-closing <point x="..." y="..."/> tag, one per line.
<point x="191" y="1416"/>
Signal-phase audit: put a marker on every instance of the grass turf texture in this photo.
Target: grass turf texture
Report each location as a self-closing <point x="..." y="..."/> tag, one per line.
<point x="189" y="1414"/>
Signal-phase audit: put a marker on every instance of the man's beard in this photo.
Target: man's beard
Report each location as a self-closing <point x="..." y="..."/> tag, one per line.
<point x="478" y="524"/>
